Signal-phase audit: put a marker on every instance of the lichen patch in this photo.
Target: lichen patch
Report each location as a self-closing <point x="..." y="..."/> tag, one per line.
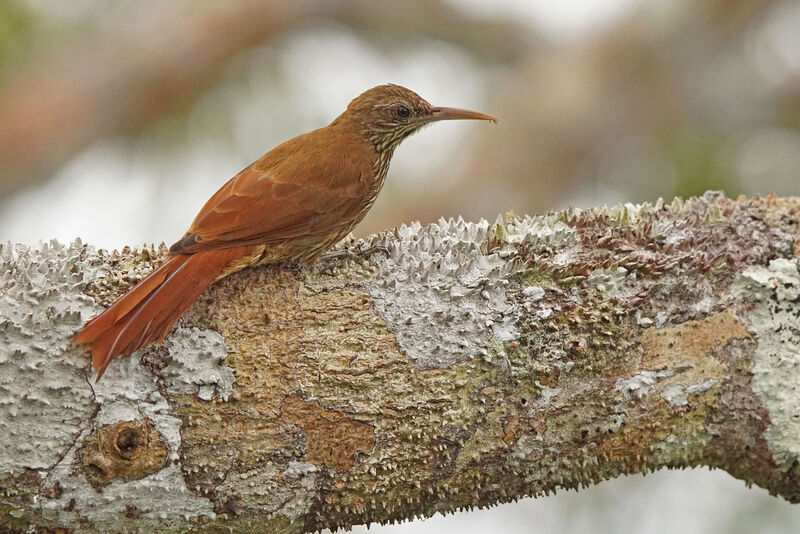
<point x="775" y="290"/>
<point x="611" y="282"/>
<point x="639" y="385"/>
<point x="196" y="364"/>
<point x="41" y="306"/>
<point x="439" y="289"/>
<point x="53" y="407"/>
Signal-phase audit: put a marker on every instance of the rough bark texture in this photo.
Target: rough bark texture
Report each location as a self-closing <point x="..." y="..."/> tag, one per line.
<point x="476" y="364"/>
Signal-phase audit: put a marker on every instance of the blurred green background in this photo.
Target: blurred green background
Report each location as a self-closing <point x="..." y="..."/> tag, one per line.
<point x="118" y="119"/>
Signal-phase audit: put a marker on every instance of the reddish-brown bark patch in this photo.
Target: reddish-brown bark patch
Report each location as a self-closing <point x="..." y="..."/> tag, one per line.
<point x="690" y="341"/>
<point x="333" y="439"/>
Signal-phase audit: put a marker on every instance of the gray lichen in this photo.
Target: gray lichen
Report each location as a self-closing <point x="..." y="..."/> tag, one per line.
<point x="776" y="292"/>
<point x="441" y="286"/>
<point x="544" y="231"/>
<point x="640" y="384"/>
<point x="440" y="290"/>
<point x="48" y="401"/>
<point x="196" y="364"/>
<point x="126" y="393"/>
<point x="678" y="394"/>
<point x="611" y="282"/>
<point x="41" y="304"/>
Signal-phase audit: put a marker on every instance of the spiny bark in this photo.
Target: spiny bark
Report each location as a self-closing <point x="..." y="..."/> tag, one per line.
<point x="473" y="364"/>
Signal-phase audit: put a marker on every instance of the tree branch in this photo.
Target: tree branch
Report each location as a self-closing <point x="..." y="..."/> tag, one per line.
<point x="475" y="364"/>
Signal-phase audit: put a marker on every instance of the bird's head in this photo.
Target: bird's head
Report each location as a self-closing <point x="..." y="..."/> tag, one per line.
<point x="390" y="113"/>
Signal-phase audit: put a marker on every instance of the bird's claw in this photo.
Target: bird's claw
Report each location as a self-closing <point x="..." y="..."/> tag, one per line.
<point x="351" y="255"/>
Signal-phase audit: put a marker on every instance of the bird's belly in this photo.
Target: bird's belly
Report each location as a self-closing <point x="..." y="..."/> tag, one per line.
<point x="304" y="249"/>
<point x="301" y="249"/>
<point x="250" y="256"/>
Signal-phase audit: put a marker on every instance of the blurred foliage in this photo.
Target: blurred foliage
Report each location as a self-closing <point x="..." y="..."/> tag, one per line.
<point x="15" y="32"/>
<point x="697" y="160"/>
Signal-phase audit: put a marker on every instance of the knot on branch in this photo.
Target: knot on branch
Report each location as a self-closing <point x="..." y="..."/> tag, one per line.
<point x="129" y="450"/>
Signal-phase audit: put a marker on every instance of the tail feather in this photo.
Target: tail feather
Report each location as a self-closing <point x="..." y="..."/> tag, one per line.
<point x="147" y="312"/>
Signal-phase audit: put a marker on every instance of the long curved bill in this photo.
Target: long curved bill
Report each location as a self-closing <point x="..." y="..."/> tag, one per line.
<point x="449" y="114"/>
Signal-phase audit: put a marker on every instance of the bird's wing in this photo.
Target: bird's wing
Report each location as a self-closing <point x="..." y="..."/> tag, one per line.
<point x="263" y="206"/>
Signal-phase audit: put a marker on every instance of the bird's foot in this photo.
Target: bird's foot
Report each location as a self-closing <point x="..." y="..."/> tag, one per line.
<point x="353" y="255"/>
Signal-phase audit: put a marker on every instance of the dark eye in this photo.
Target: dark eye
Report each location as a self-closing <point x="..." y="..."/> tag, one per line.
<point x="402" y="111"/>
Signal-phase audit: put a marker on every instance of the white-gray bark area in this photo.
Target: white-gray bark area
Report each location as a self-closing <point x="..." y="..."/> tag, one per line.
<point x="471" y="364"/>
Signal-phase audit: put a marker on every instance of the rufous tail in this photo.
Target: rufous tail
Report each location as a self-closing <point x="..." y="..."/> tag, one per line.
<point x="147" y="312"/>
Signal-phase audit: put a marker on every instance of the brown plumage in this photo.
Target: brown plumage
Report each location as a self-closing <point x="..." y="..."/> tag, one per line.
<point x="293" y="203"/>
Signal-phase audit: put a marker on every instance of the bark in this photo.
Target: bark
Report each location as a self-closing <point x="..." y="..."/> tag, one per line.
<point x="473" y="364"/>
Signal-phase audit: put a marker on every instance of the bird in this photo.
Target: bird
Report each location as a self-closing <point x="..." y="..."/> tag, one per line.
<point x="291" y="205"/>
